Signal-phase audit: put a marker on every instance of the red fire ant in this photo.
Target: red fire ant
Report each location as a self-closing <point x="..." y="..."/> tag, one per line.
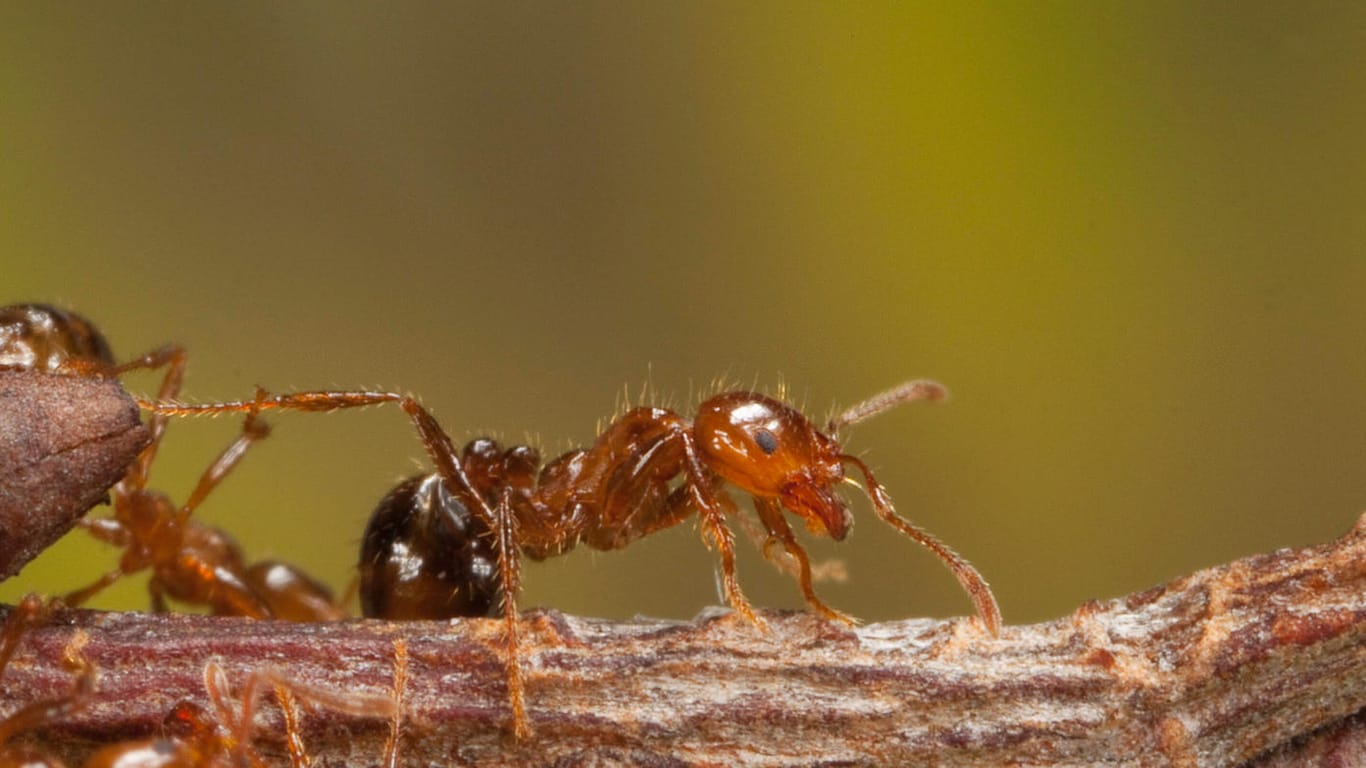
<point x="189" y="561"/>
<point x="451" y="543"/>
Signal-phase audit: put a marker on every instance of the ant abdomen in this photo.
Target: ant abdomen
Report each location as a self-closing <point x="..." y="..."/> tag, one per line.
<point x="41" y="337"/>
<point x="291" y="594"/>
<point x="425" y="556"/>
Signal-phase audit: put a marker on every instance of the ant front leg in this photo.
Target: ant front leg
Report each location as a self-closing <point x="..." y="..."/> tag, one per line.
<point x="772" y="517"/>
<point x="253" y="429"/>
<point x="173" y="359"/>
<point x="710" y="506"/>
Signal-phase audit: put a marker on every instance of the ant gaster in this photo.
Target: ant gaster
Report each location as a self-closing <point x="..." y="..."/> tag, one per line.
<point x="450" y="544"/>
<point x="189" y="561"/>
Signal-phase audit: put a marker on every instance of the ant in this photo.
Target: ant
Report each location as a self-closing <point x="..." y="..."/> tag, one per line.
<point x="450" y="543"/>
<point x="189" y="561"/>
<point x="192" y="735"/>
<point x="39" y="713"/>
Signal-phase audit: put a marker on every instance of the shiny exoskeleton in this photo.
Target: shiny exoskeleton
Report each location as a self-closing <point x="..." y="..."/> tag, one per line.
<point x="424" y="556"/>
<point x="647" y="471"/>
<point x="41" y="337"/>
<point x="189" y="561"/>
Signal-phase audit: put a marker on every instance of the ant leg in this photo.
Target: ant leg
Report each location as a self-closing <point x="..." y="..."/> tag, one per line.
<point x="241" y="722"/>
<point x="30" y="610"/>
<point x="239" y="718"/>
<point x="173" y="359"/>
<point x="400" y="688"/>
<point x="252" y="430"/>
<point x="678" y="506"/>
<point x="509" y="566"/>
<point x="973" y="583"/>
<point x="772" y="516"/>
<point x="315" y="402"/>
<point x="436" y="442"/>
<point x="106" y="529"/>
<point x="226" y="718"/>
<point x="443" y="454"/>
<point x="706" y="498"/>
<point x="158" y="595"/>
<point x="40" y="713"/>
<point x="79" y="597"/>
<point x="294" y="740"/>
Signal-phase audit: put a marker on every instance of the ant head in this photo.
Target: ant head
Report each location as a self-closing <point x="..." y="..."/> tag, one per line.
<point x="770" y="450"/>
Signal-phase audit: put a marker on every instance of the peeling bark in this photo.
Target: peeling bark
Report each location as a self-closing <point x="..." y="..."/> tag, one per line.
<point x="1260" y="660"/>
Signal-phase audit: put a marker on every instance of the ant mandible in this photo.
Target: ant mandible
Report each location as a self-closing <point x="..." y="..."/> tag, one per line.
<point x="190" y="562"/>
<point x="450" y="544"/>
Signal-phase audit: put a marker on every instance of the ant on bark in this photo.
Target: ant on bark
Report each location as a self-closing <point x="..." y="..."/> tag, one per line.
<point x="192" y="734"/>
<point x="190" y="562"/>
<point x="450" y="544"/>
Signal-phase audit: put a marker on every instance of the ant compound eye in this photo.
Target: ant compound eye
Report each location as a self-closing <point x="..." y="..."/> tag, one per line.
<point x="768" y="442"/>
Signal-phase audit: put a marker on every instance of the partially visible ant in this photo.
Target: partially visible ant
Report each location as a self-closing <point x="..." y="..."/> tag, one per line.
<point x="190" y="562"/>
<point x="199" y="564"/>
<point x="450" y="544"/>
<point x="40" y="713"/>
<point x="192" y="735"/>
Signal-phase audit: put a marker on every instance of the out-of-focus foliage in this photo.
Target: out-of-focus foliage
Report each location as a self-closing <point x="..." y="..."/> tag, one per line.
<point x="1129" y="238"/>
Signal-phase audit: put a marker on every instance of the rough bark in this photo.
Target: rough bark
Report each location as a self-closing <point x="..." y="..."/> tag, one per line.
<point x="1261" y="661"/>
<point x="63" y="441"/>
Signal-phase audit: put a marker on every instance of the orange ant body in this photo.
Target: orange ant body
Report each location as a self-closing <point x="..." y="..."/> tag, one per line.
<point x="189" y="561"/>
<point x="450" y="544"/>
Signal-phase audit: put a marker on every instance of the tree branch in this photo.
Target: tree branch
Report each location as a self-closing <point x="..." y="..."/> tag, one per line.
<point x="1218" y="668"/>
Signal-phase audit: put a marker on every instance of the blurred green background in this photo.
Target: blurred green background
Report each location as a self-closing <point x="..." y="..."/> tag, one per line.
<point x="1129" y="237"/>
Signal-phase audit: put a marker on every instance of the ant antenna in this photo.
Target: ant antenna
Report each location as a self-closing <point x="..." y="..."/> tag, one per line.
<point x="968" y="576"/>
<point x="905" y="392"/>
